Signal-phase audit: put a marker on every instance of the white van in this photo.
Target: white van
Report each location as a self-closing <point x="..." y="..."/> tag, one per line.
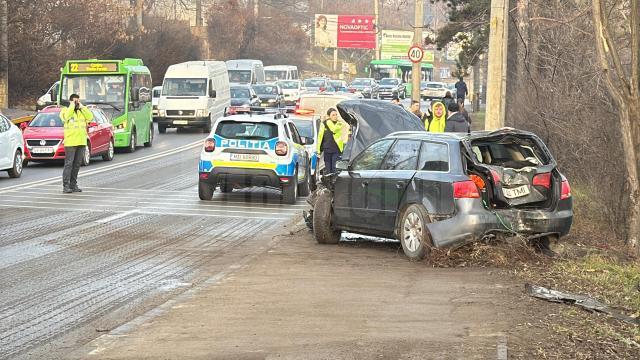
<point x="245" y="71"/>
<point x="280" y="72"/>
<point x="155" y="98"/>
<point x="49" y="97"/>
<point x="194" y="94"/>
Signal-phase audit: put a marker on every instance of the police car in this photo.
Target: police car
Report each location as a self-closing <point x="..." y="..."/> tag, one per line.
<point x="255" y="150"/>
<point x="307" y="124"/>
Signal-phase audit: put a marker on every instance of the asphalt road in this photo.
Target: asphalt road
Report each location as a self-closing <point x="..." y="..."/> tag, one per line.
<point x="75" y="265"/>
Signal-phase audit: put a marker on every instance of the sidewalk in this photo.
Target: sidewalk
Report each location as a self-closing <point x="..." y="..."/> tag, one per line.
<point x="301" y="300"/>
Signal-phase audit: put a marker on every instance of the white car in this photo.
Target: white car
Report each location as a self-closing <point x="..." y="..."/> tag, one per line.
<point x="291" y="89"/>
<point x="433" y="90"/>
<point x="155" y="99"/>
<point x="11" y="148"/>
<point x="255" y="150"/>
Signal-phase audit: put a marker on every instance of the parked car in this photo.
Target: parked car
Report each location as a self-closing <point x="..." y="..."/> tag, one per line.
<point x="367" y="86"/>
<point x="269" y="95"/>
<point x="392" y="87"/>
<point x="291" y="89"/>
<point x="440" y="190"/>
<point x="44" y="137"/>
<point x="11" y="148"/>
<point x="316" y="85"/>
<point x="243" y="98"/>
<point x="433" y="90"/>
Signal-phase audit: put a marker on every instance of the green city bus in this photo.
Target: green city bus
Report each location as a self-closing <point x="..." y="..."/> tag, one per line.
<point x="122" y="88"/>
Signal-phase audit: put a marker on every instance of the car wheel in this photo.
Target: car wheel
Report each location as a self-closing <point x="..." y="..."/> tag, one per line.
<point x="304" y="188"/>
<point x="414" y="235"/>
<point x="162" y="129"/>
<point x="150" y="142"/>
<point x="205" y="190"/>
<point x="108" y="156"/>
<point x="25" y="163"/>
<point x="226" y="187"/>
<point x="86" y="158"/>
<point x="322" y="214"/>
<point x="16" y="169"/>
<point x="290" y="191"/>
<point x="132" y="142"/>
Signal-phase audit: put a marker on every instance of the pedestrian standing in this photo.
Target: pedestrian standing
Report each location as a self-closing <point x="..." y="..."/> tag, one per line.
<point x="437" y="120"/>
<point x="415" y="110"/>
<point x="331" y="145"/>
<point x="76" y="118"/>
<point x="463" y="111"/>
<point x="461" y="89"/>
<point x="456" y="121"/>
<point x="448" y="99"/>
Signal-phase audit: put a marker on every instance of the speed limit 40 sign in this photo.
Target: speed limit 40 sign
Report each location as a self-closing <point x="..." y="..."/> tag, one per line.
<point x="415" y="53"/>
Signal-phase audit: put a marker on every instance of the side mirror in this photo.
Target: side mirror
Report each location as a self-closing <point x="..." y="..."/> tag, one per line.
<point x="342" y="165"/>
<point x="307" y="140"/>
<point x="212" y="93"/>
<point x="144" y="95"/>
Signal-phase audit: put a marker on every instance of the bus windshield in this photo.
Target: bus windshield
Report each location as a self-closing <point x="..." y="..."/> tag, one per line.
<point x="240" y="76"/>
<point x="274" y="75"/>
<point x="184" y="87"/>
<point x="96" y="89"/>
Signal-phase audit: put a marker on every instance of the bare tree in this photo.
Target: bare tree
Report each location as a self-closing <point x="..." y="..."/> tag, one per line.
<point x="616" y="43"/>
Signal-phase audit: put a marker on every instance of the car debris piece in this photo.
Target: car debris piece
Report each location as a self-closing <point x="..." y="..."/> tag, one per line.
<point x="583" y="301"/>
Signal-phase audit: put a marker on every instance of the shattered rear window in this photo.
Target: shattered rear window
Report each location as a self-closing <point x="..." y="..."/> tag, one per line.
<point x="510" y="151"/>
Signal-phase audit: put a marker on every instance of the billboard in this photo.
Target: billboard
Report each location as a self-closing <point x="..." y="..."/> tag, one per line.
<point x="345" y="31"/>
<point x="395" y="44"/>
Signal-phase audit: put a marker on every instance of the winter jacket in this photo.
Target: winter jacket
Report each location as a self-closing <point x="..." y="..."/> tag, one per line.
<point x="75" y="125"/>
<point x="457" y="123"/>
<point x="436" y="124"/>
<point x="335" y="129"/>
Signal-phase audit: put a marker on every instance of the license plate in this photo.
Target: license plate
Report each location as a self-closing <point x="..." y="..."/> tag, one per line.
<point x="180" y="122"/>
<point x="42" y="150"/>
<point x="245" y="157"/>
<point x="516" y="192"/>
<point x="265" y="104"/>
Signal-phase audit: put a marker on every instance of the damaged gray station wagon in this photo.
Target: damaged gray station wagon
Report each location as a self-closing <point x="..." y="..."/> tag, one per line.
<point x="443" y="190"/>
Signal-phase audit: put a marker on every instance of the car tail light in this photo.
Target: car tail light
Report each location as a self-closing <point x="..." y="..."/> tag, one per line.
<point x="478" y="181"/>
<point x="543" y="180"/>
<point x="566" y="190"/>
<point x="465" y="190"/>
<point x="297" y="104"/>
<point x="322" y="88"/>
<point x="209" y="145"/>
<point x="282" y="148"/>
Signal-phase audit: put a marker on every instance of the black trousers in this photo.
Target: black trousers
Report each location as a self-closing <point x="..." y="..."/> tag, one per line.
<point x="72" y="160"/>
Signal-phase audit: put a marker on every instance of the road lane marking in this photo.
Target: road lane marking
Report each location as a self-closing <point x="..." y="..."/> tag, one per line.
<point x="116" y="216"/>
<point x="159" y="155"/>
<point x="144" y="211"/>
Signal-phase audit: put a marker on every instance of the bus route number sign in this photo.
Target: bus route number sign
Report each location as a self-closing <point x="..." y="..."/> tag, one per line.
<point x="415" y="53"/>
<point x="93" y="67"/>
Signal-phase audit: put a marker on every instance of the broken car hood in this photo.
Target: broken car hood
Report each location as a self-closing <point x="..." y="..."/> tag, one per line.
<point x="371" y="120"/>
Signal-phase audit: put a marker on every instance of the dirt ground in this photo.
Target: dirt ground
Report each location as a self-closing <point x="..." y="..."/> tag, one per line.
<point x="357" y="300"/>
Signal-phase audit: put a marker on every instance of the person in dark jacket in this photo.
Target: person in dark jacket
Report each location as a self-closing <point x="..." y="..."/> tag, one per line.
<point x="461" y="89"/>
<point x="463" y="111"/>
<point x="456" y="121"/>
<point x="448" y="99"/>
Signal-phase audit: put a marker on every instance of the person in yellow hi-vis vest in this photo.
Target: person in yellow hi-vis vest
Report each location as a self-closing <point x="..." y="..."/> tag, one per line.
<point x="76" y="117"/>
<point x="332" y="145"/>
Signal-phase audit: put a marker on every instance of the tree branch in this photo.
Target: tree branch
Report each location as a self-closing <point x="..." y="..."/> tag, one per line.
<point x="603" y="49"/>
<point x="609" y="44"/>
<point x="635" y="48"/>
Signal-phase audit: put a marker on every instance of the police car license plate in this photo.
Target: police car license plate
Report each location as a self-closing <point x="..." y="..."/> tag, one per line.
<point x="516" y="192"/>
<point x="42" y="150"/>
<point x="245" y="157"/>
<point x="180" y="122"/>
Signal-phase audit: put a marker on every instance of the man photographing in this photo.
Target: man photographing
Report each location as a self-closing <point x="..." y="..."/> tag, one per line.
<point x="76" y="117"/>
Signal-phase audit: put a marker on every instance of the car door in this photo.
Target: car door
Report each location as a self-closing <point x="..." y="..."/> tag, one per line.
<point x="300" y="150"/>
<point x="432" y="185"/>
<point x="5" y="143"/>
<point x="351" y="187"/>
<point x="389" y="185"/>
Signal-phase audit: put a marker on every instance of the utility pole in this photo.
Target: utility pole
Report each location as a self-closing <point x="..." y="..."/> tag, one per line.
<point x="497" y="69"/>
<point x="4" y="56"/>
<point x="376" y="12"/>
<point x="199" y="21"/>
<point x="416" y="70"/>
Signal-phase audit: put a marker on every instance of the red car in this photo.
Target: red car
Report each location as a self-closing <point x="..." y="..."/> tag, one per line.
<point x="44" y="137"/>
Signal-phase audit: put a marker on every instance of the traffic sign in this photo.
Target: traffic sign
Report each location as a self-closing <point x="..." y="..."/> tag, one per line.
<point x="415" y="53"/>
